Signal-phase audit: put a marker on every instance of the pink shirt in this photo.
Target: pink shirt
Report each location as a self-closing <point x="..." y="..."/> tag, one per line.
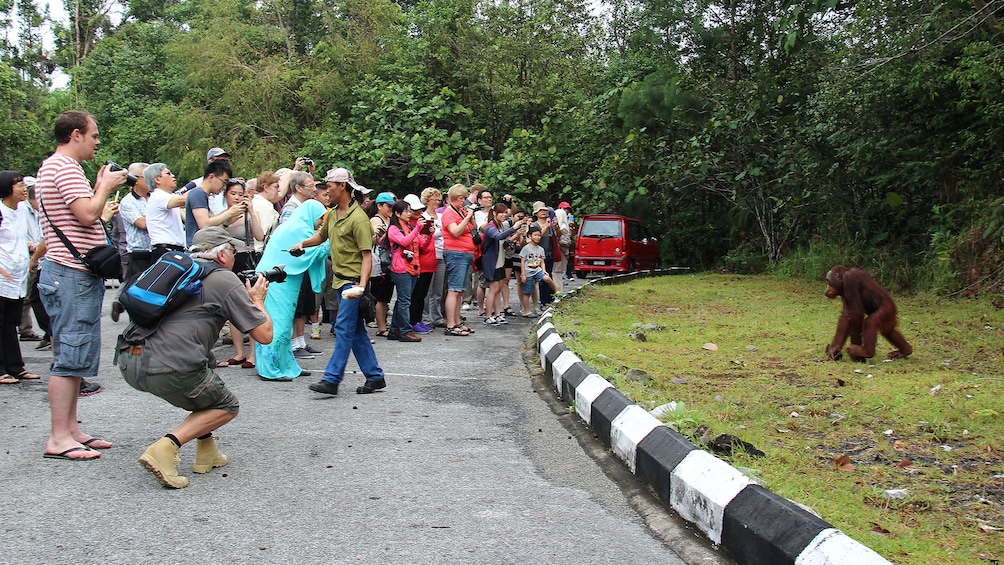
<point x="61" y="180"/>
<point x="463" y="243"/>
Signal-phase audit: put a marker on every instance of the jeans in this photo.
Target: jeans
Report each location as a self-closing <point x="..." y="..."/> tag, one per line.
<point x="72" y="298"/>
<point x="433" y="312"/>
<point x="405" y="285"/>
<point x="350" y="335"/>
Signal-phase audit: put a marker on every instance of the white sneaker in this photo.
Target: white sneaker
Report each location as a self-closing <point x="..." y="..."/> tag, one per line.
<point x="466" y="306"/>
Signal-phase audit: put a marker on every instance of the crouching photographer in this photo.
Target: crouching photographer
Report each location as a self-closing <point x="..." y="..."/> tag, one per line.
<point x="173" y="359"/>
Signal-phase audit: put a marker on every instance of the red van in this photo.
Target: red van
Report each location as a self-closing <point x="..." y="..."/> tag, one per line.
<point x="612" y="243"/>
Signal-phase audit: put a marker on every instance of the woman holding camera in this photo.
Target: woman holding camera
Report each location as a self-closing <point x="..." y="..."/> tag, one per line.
<point x="405" y="241"/>
<point x="246" y="228"/>
<point x="458" y="253"/>
<point x="493" y="260"/>
<point x="275" y="361"/>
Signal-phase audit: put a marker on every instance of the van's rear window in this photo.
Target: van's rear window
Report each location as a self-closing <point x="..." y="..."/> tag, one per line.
<point x="601" y="228"/>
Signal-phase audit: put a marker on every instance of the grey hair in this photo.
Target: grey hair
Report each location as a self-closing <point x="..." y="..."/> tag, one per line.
<point x="298" y="178"/>
<point x="136" y="169"/>
<point x="152" y="172"/>
<point x="210" y="254"/>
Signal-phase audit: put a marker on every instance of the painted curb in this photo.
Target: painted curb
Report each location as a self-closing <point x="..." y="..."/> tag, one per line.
<point x="754" y="525"/>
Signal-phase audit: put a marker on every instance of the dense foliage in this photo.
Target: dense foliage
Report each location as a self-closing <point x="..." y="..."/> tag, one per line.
<point x="747" y="134"/>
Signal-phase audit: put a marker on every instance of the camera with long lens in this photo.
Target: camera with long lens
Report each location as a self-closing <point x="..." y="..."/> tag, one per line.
<point x="276" y="274"/>
<point x="130" y="178"/>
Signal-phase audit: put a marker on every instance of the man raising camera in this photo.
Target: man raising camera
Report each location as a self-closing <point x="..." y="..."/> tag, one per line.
<point x="175" y="361"/>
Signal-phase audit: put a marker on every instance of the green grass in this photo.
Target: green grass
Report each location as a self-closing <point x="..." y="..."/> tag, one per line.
<point x="770" y="364"/>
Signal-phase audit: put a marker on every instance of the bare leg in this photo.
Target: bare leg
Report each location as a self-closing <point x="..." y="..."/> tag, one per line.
<point x="63" y="395"/>
<point x="200" y="423"/>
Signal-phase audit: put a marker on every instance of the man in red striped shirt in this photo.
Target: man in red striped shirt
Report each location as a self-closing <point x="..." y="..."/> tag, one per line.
<point x="72" y="296"/>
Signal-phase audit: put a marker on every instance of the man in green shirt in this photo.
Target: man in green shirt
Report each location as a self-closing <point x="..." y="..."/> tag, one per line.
<point x="348" y="232"/>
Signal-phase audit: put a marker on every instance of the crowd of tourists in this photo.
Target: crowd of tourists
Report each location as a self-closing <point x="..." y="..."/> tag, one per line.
<point x="374" y="266"/>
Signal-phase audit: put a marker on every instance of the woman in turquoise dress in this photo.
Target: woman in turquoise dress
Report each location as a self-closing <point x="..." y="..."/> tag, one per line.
<point x="275" y="361"/>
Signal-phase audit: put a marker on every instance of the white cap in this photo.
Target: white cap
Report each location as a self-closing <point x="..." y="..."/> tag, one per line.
<point x="414" y="202"/>
<point x="29" y="181"/>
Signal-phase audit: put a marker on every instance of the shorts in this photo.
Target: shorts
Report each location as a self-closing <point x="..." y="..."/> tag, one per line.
<point x="532" y="280"/>
<point x="73" y="300"/>
<point x="382" y="288"/>
<point x="458" y="269"/>
<point x="202" y="390"/>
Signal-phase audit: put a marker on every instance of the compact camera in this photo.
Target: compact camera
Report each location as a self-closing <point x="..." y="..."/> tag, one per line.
<point x="307" y="161"/>
<point x="276" y="274"/>
<point x="130" y="178"/>
<point x="408" y="254"/>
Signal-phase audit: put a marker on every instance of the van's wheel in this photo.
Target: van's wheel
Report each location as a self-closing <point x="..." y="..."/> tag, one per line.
<point x="581" y="274"/>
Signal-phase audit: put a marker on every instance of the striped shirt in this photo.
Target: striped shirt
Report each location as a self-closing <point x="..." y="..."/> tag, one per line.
<point x="61" y="180"/>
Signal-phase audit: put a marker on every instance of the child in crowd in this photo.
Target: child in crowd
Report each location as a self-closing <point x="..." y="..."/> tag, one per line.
<point x="532" y="271"/>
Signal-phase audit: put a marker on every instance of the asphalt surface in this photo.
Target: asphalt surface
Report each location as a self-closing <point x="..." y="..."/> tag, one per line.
<point x="465" y="457"/>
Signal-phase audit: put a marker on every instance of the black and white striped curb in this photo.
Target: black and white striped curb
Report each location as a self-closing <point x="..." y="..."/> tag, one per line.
<point x="753" y="524"/>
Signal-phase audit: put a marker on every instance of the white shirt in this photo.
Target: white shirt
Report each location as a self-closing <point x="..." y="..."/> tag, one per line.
<point x="163" y="224"/>
<point x="268" y="217"/>
<point x="14" y="252"/>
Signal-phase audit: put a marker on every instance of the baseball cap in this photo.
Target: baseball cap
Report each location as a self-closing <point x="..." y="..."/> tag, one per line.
<point x="29" y="181"/>
<point x="414" y="202"/>
<point x="385" y="198"/>
<point x="216" y="152"/>
<point x="564" y="204"/>
<point x="208" y="238"/>
<point x="343" y="175"/>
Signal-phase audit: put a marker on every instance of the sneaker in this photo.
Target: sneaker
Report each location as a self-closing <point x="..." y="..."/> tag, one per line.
<point x="162" y="459"/>
<point x="301" y="353"/>
<point x="372" y="386"/>
<point x="312" y="350"/>
<point x="88" y="389"/>
<point x="411" y="337"/>
<point x="117" y="310"/>
<point x="315" y="332"/>
<point x="46" y="343"/>
<point x="421" y="328"/>
<point x="324" y="387"/>
<point x="467" y="306"/>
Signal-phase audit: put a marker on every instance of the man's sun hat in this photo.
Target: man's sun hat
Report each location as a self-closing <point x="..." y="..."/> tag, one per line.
<point x="213" y="236"/>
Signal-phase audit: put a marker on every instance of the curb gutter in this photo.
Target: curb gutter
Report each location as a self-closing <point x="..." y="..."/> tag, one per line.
<point x="754" y="525"/>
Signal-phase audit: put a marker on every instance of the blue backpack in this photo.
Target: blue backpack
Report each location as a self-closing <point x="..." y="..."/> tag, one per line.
<point x="162" y="287"/>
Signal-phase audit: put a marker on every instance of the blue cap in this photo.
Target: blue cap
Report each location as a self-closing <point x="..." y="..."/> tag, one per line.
<point x="385" y="198"/>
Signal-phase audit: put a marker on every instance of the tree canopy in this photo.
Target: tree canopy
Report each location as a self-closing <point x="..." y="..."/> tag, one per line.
<point x="747" y="134"/>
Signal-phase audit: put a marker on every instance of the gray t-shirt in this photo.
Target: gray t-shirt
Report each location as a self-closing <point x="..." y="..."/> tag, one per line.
<point x="187" y="335"/>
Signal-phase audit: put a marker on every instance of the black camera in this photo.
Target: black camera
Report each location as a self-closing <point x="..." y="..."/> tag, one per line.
<point x="130" y="178"/>
<point x="474" y="206"/>
<point x="276" y="274"/>
<point x="307" y="161"/>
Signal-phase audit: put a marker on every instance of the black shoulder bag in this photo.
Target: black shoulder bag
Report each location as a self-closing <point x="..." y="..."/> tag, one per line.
<point x="103" y="260"/>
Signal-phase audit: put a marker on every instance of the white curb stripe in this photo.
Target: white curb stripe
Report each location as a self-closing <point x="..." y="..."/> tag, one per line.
<point x="700" y="488"/>
<point x="560" y="365"/>
<point x="543" y="329"/>
<point x="589" y="390"/>
<point x="545" y="346"/>
<point x="628" y="429"/>
<point x="833" y="547"/>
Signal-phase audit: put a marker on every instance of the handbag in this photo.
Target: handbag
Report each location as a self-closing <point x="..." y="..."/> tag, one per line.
<point x="102" y="260"/>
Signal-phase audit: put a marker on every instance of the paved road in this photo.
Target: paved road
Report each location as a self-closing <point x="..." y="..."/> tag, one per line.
<point x="464" y="458"/>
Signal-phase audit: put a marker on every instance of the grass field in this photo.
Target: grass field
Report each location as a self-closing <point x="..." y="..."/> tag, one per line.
<point x="837" y="434"/>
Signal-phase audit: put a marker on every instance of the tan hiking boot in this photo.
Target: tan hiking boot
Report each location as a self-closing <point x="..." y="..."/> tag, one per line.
<point x="207" y="456"/>
<point x="162" y="459"/>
